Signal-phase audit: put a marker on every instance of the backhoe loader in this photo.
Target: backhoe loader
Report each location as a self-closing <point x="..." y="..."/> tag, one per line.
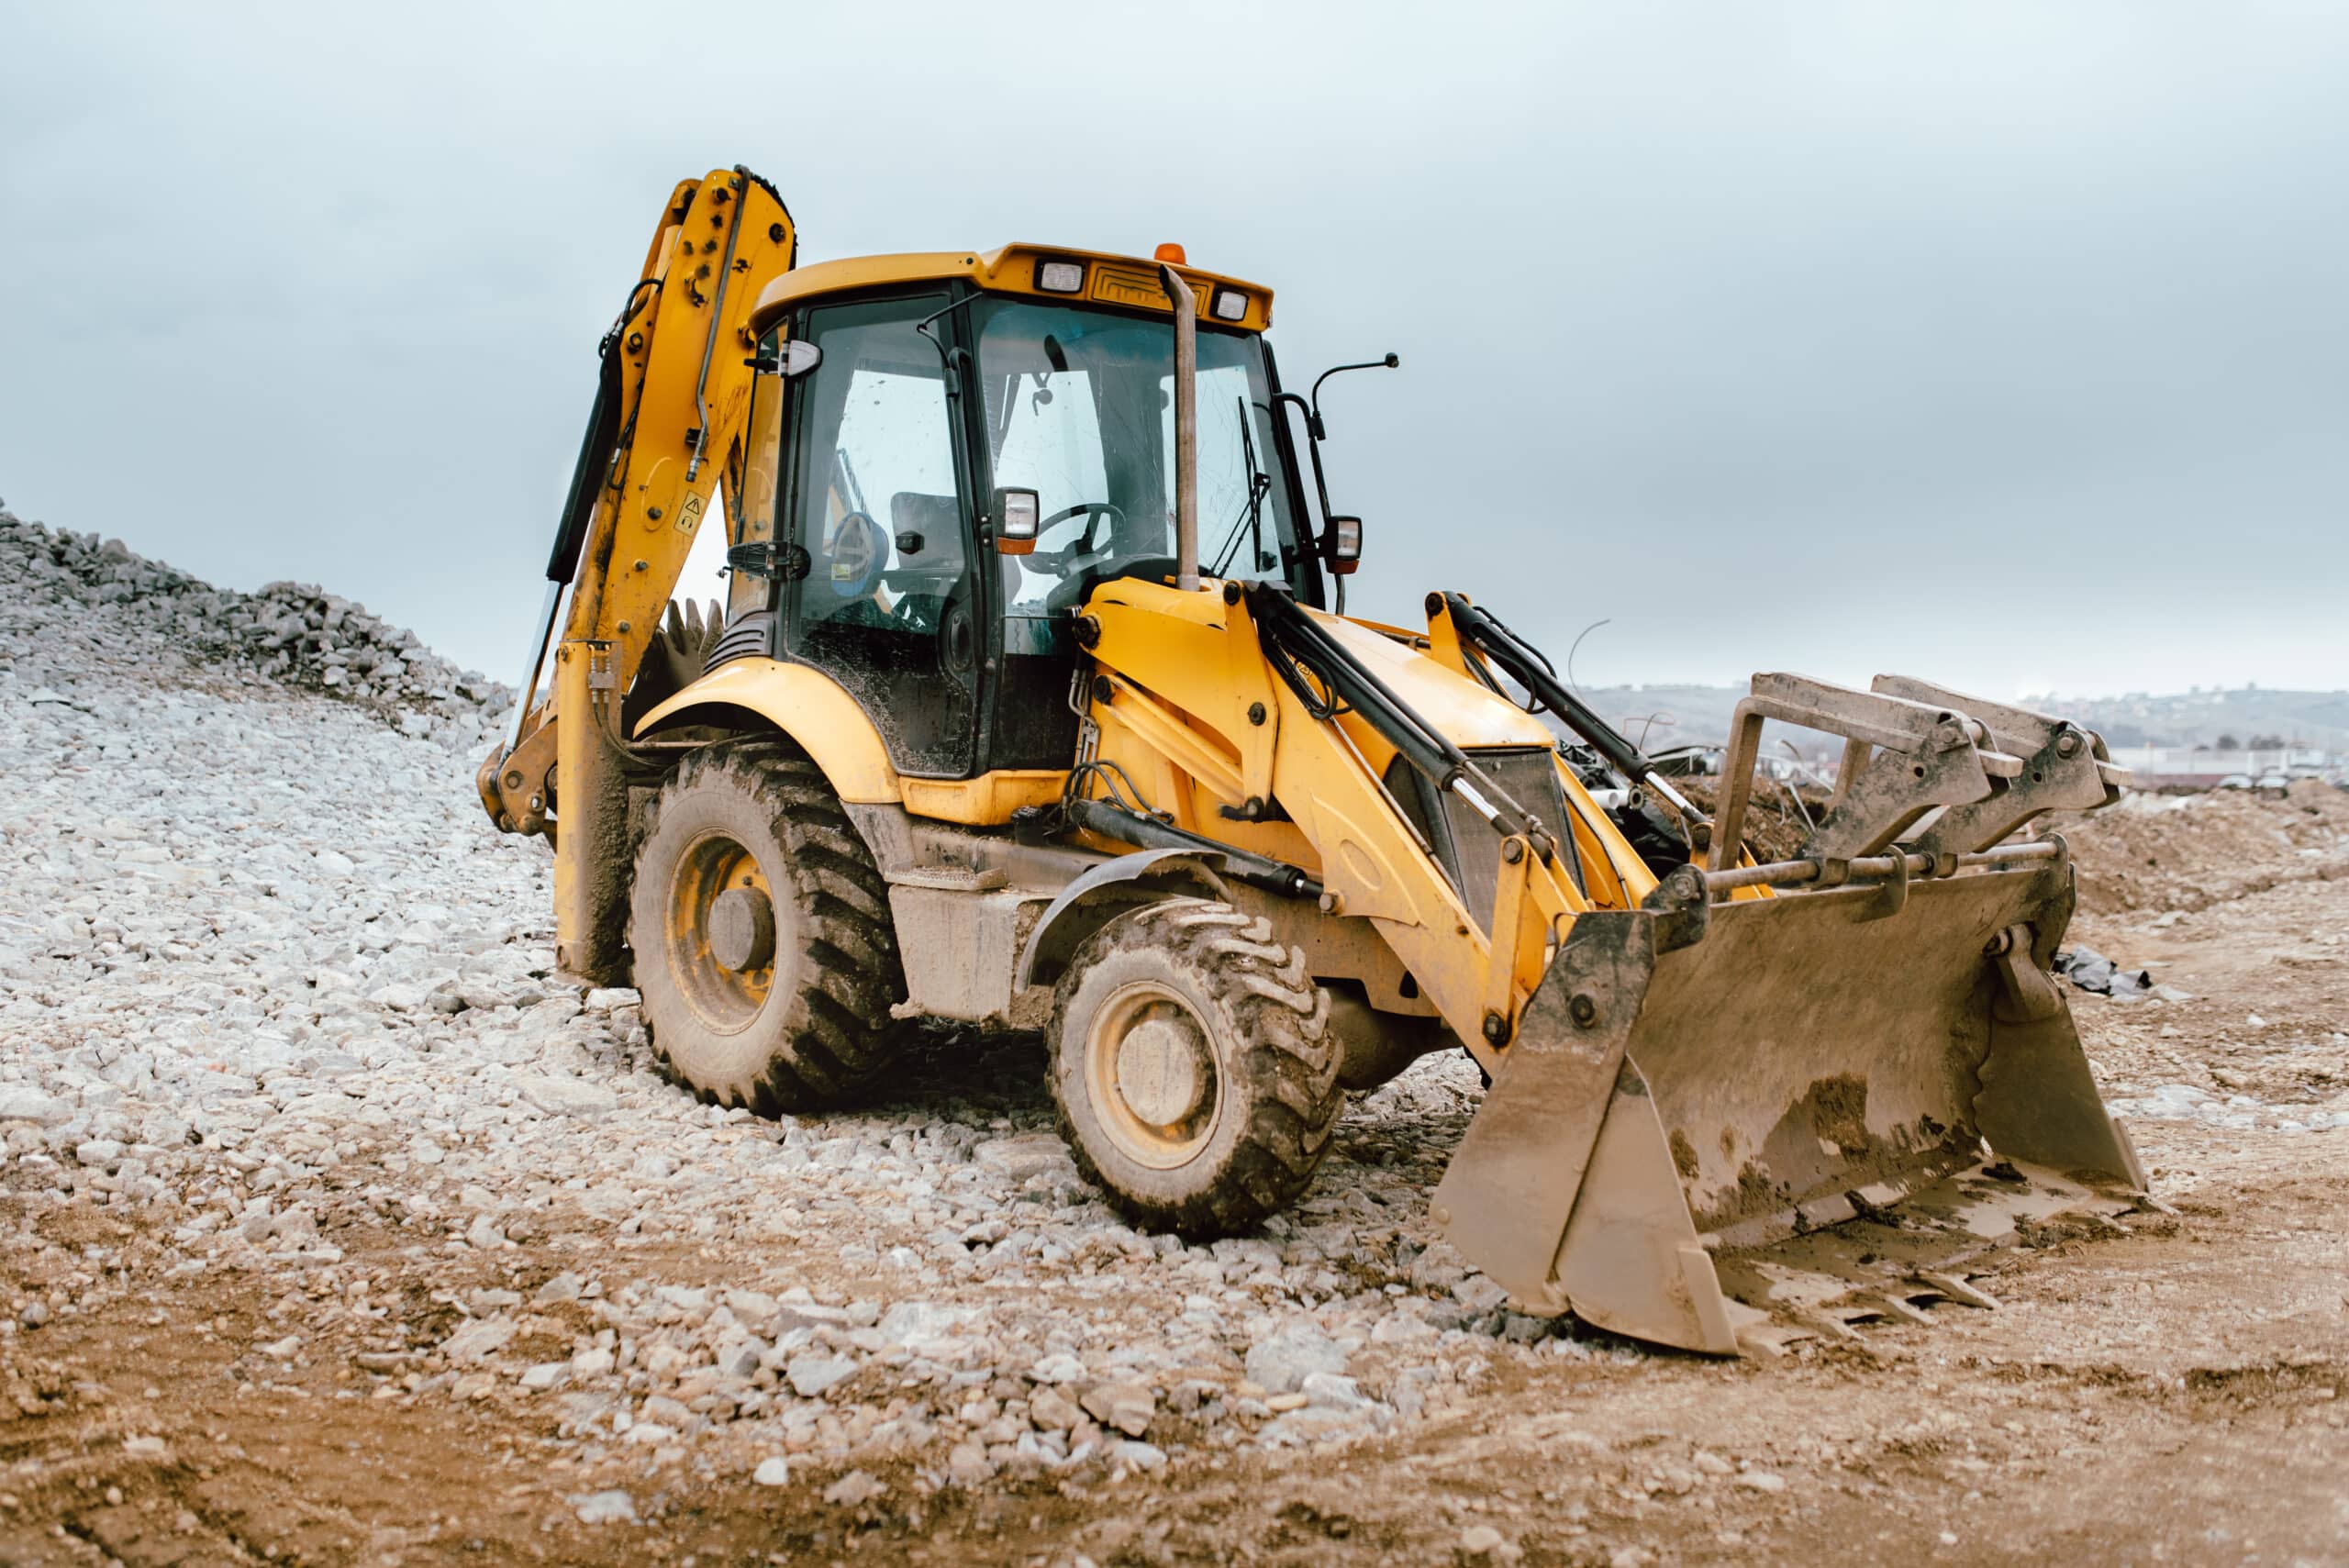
<point x="1032" y="705"/>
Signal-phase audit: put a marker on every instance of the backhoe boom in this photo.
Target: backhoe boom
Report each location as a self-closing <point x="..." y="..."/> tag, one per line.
<point x="682" y="420"/>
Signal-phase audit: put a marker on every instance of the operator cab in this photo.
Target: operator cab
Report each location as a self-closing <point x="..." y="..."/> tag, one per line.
<point x="929" y="400"/>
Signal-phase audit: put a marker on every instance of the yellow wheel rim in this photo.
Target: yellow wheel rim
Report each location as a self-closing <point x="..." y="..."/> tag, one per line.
<point x="724" y="998"/>
<point x="1150" y="1071"/>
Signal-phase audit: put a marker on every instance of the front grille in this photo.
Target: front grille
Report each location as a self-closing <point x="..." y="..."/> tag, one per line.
<point x="751" y="635"/>
<point x="1464" y="843"/>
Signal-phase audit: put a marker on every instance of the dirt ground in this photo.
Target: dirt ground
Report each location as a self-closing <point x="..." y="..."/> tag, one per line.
<point x="2172" y="1392"/>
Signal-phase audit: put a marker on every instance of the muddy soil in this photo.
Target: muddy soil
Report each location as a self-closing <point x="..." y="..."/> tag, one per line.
<point x="335" y="1229"/>
<point x="2177" y="1392"/>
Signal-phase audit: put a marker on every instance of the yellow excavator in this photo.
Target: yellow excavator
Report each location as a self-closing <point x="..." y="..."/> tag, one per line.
<point x="1032" y="705"/>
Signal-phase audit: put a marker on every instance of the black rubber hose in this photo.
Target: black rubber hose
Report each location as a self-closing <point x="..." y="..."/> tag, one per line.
<point x="1149" y="833"/>
<point x="587" y="473"/>
<point x="1527" y="667"/>
<point x="1294" y="642"/>
<point x="1292" y="639"/>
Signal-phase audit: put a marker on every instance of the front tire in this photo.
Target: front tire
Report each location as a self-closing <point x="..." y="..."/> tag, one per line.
<point x="764" y="953"/>
<point x="1193" y="1068"/>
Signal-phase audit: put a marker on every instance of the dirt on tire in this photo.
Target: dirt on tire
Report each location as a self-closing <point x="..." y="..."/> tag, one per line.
<point x="824" y="1030"/>
<point x="1275" y="1057"/>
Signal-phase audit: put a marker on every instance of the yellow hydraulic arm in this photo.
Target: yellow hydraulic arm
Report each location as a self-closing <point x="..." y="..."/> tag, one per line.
<point x="1188" y="667"/>
<point x="681" y="409"/>
<point x="1545" y="995"/>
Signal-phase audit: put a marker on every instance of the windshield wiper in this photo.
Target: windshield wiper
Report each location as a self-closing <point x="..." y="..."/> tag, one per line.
<point x="1251" y="512"/>
<point x="1259" y="483"/>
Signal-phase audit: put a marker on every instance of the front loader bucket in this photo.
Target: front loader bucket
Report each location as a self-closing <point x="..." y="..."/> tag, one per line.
<point x="1695" y="1096"/>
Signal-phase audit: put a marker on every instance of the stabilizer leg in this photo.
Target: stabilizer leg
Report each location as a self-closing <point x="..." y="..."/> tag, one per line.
<point x="591" y="859"/>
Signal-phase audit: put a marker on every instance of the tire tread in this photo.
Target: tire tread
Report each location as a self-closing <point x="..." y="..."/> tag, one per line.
<point x="1285" y="1069"/>
<point x="837" y="1032"/>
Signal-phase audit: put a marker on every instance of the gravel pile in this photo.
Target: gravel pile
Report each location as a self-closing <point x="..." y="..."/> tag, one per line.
<point x="279" y="999"/>
<point x="102" y="606"/>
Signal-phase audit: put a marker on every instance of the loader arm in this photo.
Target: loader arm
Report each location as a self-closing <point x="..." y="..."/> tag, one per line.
<point x="683" y="421"/>
<point x="1528" y="984"/>
<point x="1185" y="670"/>
<point x="1678" y="1065"/>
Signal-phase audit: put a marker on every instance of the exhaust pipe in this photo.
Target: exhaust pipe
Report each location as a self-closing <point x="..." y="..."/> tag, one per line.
<point x="1187" y="429"/>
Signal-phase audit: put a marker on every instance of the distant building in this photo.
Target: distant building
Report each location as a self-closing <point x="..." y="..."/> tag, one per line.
<point x="2157" y="766"/>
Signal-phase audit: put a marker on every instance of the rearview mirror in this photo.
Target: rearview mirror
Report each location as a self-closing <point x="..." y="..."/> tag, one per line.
<point x="1314" y="425"/>
<point x="799" y="357"/>
<point x="788" y="358"/>
<point x="766" y="557"/>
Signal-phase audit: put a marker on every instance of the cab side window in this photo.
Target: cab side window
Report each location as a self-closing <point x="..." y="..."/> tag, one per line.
<point x="885" y="608"/>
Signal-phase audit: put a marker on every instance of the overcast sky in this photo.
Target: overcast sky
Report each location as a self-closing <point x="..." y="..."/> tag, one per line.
<point x="2005" y="345"/>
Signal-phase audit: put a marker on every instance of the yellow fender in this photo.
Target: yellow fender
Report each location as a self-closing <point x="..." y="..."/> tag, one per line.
<point x="805" y="704"/>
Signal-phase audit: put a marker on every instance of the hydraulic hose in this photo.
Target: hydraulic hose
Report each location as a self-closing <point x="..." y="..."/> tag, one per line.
<point x="1297" y="647"/>
<point x="1522" y="663"/>
<point x="1149" y="833"/>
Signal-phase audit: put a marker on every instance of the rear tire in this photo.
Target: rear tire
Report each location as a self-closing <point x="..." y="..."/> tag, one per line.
<point x="764" y="953"/>
<point x="1193" y="1067"/>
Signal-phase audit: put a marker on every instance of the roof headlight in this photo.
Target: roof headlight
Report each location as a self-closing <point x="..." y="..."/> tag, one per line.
<point x="1342" y="544"/>
<point x="1061" y="277"/>
<point x="1017" y="515"/>
<point x="1230" y="304"/>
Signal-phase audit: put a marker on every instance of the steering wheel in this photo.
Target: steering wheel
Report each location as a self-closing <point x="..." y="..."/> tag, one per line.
<point x="858" y="555"/>
<point x="1074" y="588"/>
<point x="1055" y="560"/>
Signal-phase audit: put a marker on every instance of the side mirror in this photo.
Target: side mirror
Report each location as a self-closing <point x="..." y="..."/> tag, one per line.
<point x="790" y="358"/>
<point x="766" y="557"/>
<point x="1343" y="545"/>
<point x="1313" y="423"/>
<point x="1017" y="514"/>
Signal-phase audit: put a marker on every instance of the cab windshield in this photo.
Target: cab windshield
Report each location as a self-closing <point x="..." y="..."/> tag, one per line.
<point x="1080" y="408"/>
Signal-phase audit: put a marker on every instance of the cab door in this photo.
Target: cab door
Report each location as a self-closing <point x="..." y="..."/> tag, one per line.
<point x="876" y="498"/>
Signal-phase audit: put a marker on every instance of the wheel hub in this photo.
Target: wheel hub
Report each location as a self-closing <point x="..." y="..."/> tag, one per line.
<point x="741" y="930"/>
<point x="1161" y="1075"/>
<point x="1152" y="1075"/>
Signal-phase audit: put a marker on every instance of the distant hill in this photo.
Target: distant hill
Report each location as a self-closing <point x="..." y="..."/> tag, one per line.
<point x="1675" y="716"/>
<point x="2248" y="716"/>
